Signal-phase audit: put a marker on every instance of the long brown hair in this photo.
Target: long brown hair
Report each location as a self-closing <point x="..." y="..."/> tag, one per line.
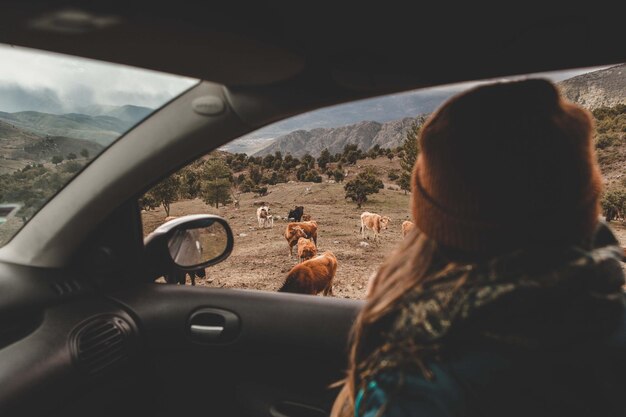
<point x="410" y="266"/>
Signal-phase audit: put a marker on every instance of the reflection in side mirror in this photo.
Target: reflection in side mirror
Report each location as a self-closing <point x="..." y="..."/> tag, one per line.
<point x="187" y="244"/>
<point x="193" y="247"/>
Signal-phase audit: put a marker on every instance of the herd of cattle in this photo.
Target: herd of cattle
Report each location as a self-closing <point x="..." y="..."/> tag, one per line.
<point x="314" y="273"/>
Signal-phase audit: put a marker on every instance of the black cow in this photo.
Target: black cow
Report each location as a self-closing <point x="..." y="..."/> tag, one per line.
<point x="180" y="277"/>
<point x="296" y="214"/>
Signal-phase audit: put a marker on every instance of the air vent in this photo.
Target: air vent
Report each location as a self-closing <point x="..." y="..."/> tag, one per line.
<point x="101" y="343"/>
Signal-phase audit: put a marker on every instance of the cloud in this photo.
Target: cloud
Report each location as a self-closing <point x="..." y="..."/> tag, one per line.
<point x="66" y="84"/>
<point x="14" y="98"/>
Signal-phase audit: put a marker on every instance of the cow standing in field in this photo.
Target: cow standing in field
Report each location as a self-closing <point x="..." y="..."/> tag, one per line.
<point x="296" y="214"/>
<point x="407" y="226"/>
<point x="313" y="276"/>
<point x="296" y="230"/>
<point x="262" y="214"/>
<point x="306" y="249"/>
<point x="373" y="221"/>
<point x="180" y="277"/>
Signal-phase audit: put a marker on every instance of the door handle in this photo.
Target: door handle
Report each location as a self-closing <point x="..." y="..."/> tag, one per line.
<point x="213" y="325"/>
<point x="211" y="331"/>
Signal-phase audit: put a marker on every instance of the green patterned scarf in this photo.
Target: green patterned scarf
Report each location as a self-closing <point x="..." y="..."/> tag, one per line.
<point x="529" y="299"/>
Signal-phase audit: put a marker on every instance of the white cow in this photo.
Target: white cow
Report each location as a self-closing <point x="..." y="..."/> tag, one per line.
<point x="374" y="222"/>
<point x="263" y="216"/>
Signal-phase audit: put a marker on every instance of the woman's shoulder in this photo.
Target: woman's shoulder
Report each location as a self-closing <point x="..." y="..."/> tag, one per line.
<point x="481" y="379"/>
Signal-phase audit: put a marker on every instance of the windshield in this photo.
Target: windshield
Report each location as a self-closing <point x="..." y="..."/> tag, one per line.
<point x="58" y="113"/>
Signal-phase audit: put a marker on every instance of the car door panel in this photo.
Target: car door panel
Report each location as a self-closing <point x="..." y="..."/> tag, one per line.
<point x="288" y="352"/>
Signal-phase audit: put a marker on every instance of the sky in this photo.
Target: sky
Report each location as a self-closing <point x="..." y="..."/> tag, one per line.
<point x="63" y="84"/>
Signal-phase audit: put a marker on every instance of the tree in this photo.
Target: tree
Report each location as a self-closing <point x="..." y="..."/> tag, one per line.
<point x="71" y="156"/>
<point x="217" y="182"/>
<point x="301" y="172"/>
<point x="288" y="161"/>
<point x="324" y="158"/>
<point x="190" y="182"/>
<point x="352" y="156"/>
<point x="57" y="159"/>
<point x="268" y="161"/>
<point x="84" y="153"/>
<point x="308" y="161"/>
<point x="312" y="176"/>
<point x="364" y="184"/>
<point x="409" y="153"/>
<point x="255" y="174"/>
<point x="613" y="204"/>
<point x="164" y="193"/>
<point x="217" y="191"/>
<point x="338" y="175"/>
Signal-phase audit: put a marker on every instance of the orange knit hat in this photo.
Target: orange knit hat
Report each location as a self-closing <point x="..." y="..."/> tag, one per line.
<point x="507" y="166"/>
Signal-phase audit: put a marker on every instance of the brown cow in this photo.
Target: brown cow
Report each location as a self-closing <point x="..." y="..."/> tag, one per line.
<point x="313" y="276"/>
<point x="373" y="221"/>
<point x="306" y="229"/>
<point x="306" y="249"/>
<point x="407" y="226"/>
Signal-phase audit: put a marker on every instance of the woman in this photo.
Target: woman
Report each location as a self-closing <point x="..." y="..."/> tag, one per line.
<point x="506" y="300"/>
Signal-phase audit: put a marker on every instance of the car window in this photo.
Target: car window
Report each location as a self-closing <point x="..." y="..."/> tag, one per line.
<point x="333" y="164"/>
<point x="57" y="113"/>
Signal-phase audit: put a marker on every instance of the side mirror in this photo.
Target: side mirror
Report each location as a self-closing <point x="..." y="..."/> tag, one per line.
<point x="187" y="244"/>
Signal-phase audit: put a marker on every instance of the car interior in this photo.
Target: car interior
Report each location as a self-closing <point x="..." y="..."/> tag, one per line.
<point x="84" y="330"/>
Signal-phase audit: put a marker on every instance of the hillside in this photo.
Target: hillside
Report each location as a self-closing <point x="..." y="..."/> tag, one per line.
<point x="603" y="88"/>
<point x="20" y="147"/>
<point x="364" y="134"/>
<point x="100" y="129"/>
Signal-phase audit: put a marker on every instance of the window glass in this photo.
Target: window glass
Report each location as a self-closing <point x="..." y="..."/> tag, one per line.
<point x="338" y="162"/>
<point x="57" y="113"/>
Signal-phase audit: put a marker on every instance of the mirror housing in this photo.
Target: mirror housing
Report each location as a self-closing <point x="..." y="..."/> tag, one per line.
<point x="186" y="244"/>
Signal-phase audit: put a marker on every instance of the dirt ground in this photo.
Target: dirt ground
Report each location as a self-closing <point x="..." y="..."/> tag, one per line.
<point x="260" y="258"/>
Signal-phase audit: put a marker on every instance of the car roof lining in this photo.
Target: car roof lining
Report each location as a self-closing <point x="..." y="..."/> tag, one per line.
<point x="352" y="48"/>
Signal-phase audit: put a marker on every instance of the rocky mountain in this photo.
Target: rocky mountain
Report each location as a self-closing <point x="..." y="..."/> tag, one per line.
<point x="365" y="134"/>
<point x="380" y="109"/>
<point x="603" y="88"/>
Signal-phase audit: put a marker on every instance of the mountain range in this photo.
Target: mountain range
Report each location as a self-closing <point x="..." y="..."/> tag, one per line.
<point x="365" y="134"/>
<point x="35" y="137"/>
<point x="102" y="128"/>
<point x="606" y="87"/>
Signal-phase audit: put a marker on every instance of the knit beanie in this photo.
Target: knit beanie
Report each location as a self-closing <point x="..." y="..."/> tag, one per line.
<point x="507" y="166"/>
